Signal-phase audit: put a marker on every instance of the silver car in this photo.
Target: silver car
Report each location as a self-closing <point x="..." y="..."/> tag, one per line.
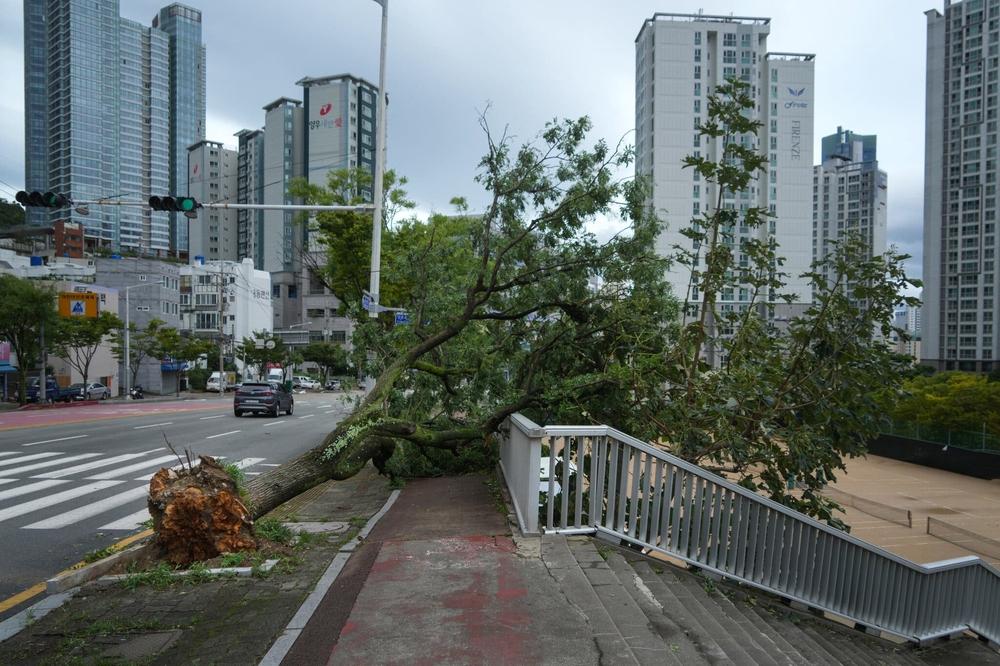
<point x="93" y="391"/>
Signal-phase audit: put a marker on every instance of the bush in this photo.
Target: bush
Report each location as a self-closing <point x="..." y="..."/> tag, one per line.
<point x="408" y="462"/>
<point x="198" y="377"/>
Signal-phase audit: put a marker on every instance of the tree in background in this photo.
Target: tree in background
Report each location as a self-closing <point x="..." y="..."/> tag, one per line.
<point x="11" y="214"/>
<point x="772" y="407"/>
<point x="143" y="344"/>
<point x="179" y="348"/>
<point x="951" y="401"/>
<point x="329" y="356"/>
<point x="26" y="307"/>
<point x="77" y="339"/>
<point x="257" y="352"/>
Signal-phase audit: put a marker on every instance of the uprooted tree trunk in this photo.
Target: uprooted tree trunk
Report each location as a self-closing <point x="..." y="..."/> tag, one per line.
<point x="197" y="513"/>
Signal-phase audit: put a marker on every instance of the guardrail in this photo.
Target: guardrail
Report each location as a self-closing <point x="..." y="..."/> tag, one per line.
<point x="960" y="439"/>
<point x="603" y="481"/>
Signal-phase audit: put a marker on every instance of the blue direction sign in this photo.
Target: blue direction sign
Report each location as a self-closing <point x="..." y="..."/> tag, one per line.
<point x="366" y="302"/>
<point x="402" y="318"/>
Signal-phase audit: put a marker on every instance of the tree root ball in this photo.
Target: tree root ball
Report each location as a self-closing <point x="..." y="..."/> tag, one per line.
<point x="197" y="513"/>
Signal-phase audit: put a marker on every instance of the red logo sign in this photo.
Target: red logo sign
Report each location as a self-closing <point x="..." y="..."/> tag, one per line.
<point x="325" y="109"/>
<point x="339" y="122"/>
<point x="196" y="169"/>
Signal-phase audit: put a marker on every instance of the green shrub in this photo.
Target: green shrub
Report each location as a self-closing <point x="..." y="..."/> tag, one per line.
<point x="198" y="377"/>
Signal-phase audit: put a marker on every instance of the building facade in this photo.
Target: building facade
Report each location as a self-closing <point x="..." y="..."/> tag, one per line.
<point x="849" y="194"/>
<point x="250" y="190"/>
<point x="226" y="299"/>
<point x="680" y="59"/>
<point x="212" y="172"/>
<point x="960" y="188"/>
<point x="107" y="101"/>
<point x="153" y="293"/>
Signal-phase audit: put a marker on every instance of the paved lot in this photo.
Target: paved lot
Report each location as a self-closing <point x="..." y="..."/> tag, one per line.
<point x="964" y="501"/>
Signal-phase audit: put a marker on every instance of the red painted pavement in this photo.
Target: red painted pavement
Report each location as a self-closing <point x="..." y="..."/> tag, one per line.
<point x="103" y="411"/>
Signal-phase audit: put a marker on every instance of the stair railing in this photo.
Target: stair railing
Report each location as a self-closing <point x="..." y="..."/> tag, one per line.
<point x="595" y="479"/>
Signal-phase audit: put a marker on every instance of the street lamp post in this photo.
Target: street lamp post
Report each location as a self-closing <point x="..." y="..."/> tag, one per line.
<point x="373" y="286"/>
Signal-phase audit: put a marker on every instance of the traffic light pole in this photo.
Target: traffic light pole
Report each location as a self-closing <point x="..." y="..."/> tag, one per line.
<point x="358" y="208"/>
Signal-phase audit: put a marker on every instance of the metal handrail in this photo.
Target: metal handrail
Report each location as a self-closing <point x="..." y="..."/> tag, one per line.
<point x="603" y="480"/>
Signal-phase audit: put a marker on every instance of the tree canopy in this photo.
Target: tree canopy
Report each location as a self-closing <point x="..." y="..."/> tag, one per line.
<point x="27" y="306"/>
<point x="77" y="339"/>
<point x="951" y="401"/>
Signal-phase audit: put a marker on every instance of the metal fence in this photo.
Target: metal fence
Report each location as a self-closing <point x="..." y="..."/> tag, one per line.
<point x="600" y="480"/>
<point x="960" y="439"/>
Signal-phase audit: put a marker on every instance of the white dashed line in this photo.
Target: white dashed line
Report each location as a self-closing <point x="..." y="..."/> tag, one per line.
<point x="49" y="441"/>
<point x="307" y="416"/>
<point x="205" y="418"/>
<point x="331" y="411"/>
<point x="223" y="434"/>
<point x="153" y="425"/>
<point x="277" y="422"/>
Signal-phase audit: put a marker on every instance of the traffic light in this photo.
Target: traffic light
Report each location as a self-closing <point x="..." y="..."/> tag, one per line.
<point x="186" y="205"/>
<point x="39" y="200"/>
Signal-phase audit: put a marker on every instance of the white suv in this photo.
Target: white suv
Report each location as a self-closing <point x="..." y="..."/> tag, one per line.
<point x="306" y="383"/>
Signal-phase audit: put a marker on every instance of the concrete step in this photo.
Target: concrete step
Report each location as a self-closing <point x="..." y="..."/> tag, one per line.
<point x="575" y="586"/>
<point x="674" y="636"/>
<point x="780" y="622"/>
<point x="704" y="591"/>
<point x="710" y="627"/>
<point x="681" y="615"/>
<point x="631" y="622"/>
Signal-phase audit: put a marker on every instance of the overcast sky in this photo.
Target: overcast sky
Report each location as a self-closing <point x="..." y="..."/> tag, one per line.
<point x="529" y="61"/>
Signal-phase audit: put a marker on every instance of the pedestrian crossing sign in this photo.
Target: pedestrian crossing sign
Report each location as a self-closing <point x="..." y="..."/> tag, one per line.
<point x="74" y="304"/>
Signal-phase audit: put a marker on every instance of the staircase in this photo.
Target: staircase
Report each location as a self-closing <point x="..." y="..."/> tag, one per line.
<point x="645" y="611"/>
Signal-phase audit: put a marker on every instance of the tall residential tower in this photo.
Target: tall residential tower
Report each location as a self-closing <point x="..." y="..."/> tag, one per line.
<point x="680" y="59"/>
<point x="960" y="187"/>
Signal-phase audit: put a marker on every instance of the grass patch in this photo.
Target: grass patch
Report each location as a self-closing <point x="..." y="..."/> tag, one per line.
<point x="603" y="551"/>
<point x="197" y="573"/>
<point x="233" y="560"/>
<point x="99" y="554"/>
<point x="159" y="577"/>
<point x="147" y="524"/>
<point x="273" y="530"/>
<point x="305" y="539"/>
<point x="496" y="493"/>
<point x="357" y="521"/>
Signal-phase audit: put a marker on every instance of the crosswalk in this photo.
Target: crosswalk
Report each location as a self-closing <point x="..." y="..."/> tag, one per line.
<point x="54" y="490"/>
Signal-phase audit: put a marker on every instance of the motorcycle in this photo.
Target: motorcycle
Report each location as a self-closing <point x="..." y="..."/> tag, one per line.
<point x="136" y="393"/>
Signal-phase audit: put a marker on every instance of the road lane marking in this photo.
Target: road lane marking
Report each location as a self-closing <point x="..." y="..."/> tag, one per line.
<point x="326" y="405"/>
<point x="252" y="473"/>
<point x="30" y="488"/>
<point x="132" y="468"/>
<point x="223" y="434"/>
<point x="205" y="418"/>
<point x="247" y="462"/>
<point x="307" y="416"/>
<point x="49" y="463"/>
<point x="60" y="439"/>
<point x="153" y="425"/>
<point x="331" y="411"/>
<point x="129" y="522"/>
<point x="94" y="464"/>
<point x="88" y="510"/>
<point x="10" y="453"/>
<point x="277" y="422"/>
<point x="3" y="481"/>
<point x="270" y="464"/>
<point x="51" y="500"/>
<point x="34" y="456"/>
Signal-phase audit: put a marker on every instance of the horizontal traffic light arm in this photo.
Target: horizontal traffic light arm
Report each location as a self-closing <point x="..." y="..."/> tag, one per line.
<point x="142" y="204"/>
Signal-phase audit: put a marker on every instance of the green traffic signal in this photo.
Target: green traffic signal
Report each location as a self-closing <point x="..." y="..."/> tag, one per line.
<point x="39" y="200"/>
<point x="186" y="204"/>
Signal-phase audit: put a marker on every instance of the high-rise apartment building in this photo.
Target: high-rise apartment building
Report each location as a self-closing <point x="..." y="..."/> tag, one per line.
<point x="211" y="177"/>
<point x="250" y="189"/>
<point x="849" y="194"/>
<point x="107" y="102"/>
<point x="182" y="25"/>
<point x="960" y="187"/>
<point x="680" y="59"/>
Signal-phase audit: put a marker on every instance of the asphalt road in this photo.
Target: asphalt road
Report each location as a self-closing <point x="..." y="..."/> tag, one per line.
<point x="73" y="480"/>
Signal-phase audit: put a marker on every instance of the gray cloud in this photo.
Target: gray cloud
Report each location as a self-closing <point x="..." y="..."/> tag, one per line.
<point x="528" y="62"/>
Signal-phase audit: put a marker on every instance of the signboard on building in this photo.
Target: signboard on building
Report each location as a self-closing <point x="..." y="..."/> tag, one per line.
<point x="73" y="304"/>
<point x="327" y="132"/>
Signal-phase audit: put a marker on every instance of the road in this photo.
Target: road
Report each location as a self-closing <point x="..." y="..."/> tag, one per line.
<point x="74" y="480"/>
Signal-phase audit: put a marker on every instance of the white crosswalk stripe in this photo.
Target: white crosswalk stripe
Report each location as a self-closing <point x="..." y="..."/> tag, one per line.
<point x="49" y="463"/>
<point x="30" y="488"/>
<point x="247" y="462"/>
<point x="128" y="469"/>
<point x="10" y="453"/>
<point x="34" y="456"/>
<point x="89" y="510"/>
<point x="3" y="481"/>
<point x="52" y="500"/>
<point x="129" y="522"/>
<point x="76" y="469"/>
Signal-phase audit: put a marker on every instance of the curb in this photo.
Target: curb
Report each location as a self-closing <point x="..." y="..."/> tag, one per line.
<point x="32" y="406"/>
<point x="77" y="577"/>
<point x="284" y="642"/>
<point x="33" y="613"/>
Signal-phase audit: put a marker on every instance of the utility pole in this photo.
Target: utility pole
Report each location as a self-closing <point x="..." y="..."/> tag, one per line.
<point x="376" y="266"/>
<point x="222" y="330"/>
<point x="41" y="379"/>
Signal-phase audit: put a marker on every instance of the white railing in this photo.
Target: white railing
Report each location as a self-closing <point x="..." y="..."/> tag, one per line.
<point x="603" y="481"/>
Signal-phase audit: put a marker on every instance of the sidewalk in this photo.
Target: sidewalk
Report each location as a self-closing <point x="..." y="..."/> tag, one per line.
<point x="440" y="580"/>
<point x="203" y="620"/>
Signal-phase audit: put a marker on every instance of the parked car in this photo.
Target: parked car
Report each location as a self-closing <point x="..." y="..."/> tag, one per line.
<point x="332" y="385"/>
<point x="91" y="391"/>
<point x="53" y="392"/>
<point x="305" y="382"/>
<point x="269" y="398"/>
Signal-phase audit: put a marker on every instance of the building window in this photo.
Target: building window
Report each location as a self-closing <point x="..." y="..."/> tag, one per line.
<point x="293" y="291"/>
<point x="275" y="291"/>
<point x="338" y="336"/>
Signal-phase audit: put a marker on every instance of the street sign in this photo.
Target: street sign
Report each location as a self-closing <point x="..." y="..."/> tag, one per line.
<point x="402" y="318"/>
<point x="366" y="302"/>
<point x="73" y="304"/>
